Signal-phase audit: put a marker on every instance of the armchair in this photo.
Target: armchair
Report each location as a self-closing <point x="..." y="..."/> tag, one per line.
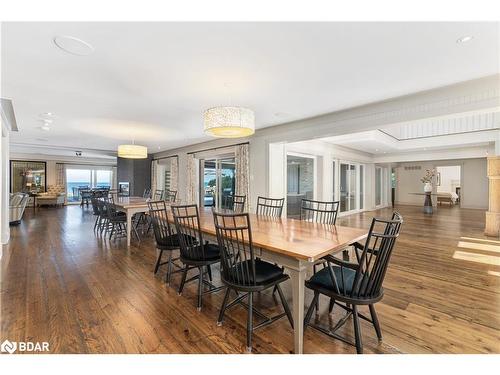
<point x="17" y="204"/>
<point x="55" y="195"/>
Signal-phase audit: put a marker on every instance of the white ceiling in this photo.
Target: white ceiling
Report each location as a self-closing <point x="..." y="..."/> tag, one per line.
<point x="378" y="143"/>
<point x="151" y="81"/>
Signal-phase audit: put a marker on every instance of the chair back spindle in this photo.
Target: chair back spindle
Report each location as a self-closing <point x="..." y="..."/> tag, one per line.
<point x="270" y="206"/>
<point x="374" y="259"/>
<point x="162" y="229"/>
<point x="234" y="203"/>
<point x="234" y="237"/>
<point x="158" y="195"/>
<point x="319" y="212"/>
<point x="170" y="195"/>
<point x="187" y="224"/>
<point x="147" y="193"/>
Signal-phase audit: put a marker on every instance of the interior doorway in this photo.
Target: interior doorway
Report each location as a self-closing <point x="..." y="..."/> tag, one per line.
<point x="448" y="185"/>
<point x="300" y="182"/>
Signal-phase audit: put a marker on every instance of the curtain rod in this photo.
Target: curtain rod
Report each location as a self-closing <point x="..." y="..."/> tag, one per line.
<point x="166" y="157"/>
<point x="216" y="148"/>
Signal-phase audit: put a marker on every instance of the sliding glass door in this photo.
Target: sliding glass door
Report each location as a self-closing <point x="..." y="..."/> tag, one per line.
<point x="300" y="183"/>
<point x="219" y="181"/>
<point x="78" y="178"/>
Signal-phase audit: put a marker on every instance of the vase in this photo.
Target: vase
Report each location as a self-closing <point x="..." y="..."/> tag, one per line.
<point x="427" y="187"/>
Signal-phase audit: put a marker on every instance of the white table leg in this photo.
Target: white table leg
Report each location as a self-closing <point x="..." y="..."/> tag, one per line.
<point x="298" y="290"/>
<point x="129" y="227"/>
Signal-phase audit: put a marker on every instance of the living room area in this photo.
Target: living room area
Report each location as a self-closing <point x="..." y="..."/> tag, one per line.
<point x="50" y="182"/>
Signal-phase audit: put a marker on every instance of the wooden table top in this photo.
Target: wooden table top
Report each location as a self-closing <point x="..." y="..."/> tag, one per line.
<point x="295" y="238"/>
<point x="131" y="202"/>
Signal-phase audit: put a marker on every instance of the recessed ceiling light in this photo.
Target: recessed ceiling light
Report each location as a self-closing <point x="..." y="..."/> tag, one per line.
<point x="46" y="120"/>
<point x="465" y="39"/>
<point x="73" y="45"/>
<point x="376" y="149"/>
<point x="45" y="127"/>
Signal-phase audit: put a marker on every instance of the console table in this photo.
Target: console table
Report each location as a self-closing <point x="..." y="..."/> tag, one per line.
<point x="427" y="202"/>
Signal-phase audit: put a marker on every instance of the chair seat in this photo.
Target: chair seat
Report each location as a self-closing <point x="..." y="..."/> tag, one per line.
<point x="119" y="217"/>
<point x="322" y="279"/>
<point x="265" y="272"/>
<point x="171" y="241"/>
<point x="206" y="252"/>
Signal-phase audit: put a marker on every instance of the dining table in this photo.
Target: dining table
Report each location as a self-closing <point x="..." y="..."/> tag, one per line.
<point x="294" y="244"/>
<point x="130" y="206"/>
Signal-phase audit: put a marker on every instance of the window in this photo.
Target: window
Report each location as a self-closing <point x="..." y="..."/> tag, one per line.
<point x="103" y="179"/>
<point x="78" y="178"/>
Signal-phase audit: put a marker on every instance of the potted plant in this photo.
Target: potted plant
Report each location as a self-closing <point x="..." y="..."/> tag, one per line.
<point x="427" y="180"/>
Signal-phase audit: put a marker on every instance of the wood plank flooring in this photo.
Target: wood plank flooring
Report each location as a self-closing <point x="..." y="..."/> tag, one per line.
<point x="63" y="284"/>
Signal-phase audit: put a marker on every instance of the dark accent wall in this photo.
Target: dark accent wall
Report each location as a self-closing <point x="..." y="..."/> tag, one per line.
<point x="137" y="172"/>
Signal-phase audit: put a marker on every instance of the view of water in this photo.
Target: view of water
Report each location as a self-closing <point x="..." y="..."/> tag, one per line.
<point x="72" y="188"/>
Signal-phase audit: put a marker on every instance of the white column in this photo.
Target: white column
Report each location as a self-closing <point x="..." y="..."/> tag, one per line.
<point x="497" y="145"/>
<point x="369" y="186"/>
<point x="277" y="170"/>
<point x="4" y="186"/>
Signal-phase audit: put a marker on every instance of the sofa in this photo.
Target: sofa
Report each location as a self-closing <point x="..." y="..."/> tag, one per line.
<point x="17" y="204"/>
<point x="55" y="196"/>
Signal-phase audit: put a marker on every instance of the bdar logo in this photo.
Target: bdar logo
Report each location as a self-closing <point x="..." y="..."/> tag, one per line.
<point x="8" y="347"/>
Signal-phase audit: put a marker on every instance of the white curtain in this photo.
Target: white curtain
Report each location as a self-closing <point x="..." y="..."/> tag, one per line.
<point x="61" y="177"/>
<point x="192" y="180"/>
<point x="174" y="173"/>
<point x="154" y="164"/>
<point x="242" y="173"/>
<point x="114" y="176"/>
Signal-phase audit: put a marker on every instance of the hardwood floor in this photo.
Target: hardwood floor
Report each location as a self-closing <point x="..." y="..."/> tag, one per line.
<point x="84" y="294"/>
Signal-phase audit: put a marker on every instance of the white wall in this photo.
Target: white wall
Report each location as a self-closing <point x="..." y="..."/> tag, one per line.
<point x="474" y="182"/>
<point x="474" y="189"/>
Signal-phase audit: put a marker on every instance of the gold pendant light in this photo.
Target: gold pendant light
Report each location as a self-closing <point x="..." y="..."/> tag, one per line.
<point x="132" y="151"/>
